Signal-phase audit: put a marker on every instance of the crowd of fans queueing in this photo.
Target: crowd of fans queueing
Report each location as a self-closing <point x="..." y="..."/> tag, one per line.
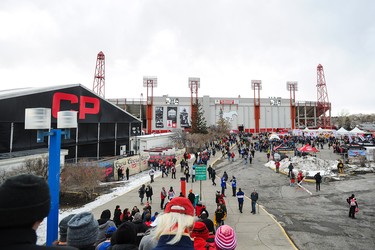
<point x="178" y="227"/>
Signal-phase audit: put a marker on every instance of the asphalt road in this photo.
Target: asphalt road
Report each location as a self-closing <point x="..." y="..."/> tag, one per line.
<point x="317" y="221"/>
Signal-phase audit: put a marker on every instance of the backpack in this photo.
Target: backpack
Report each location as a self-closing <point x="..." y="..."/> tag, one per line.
<point x="352" y="202"/>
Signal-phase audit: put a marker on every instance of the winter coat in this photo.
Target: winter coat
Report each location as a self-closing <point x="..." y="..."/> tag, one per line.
<point x="234" y="182"/>
<point x="254" y="196"/>
<point x="141" y="192"/>
<point x="223" y="183"/>
<point x="116" y="216"/>
<point x="141" y="229"/>
<point x="318" y="178"/>
<point x="23" y="238"/>
<point x="122" y="247"/>
<point x="219" y="216"/>
<point x="191" y="197"/>
<point x="163" y="194"/>
<point x="103" y="226"/>
<point x="149" y="191"/>
<point x="240" y="196"/>
<point x="184" y="243"/>
<point x="199" y="243"/>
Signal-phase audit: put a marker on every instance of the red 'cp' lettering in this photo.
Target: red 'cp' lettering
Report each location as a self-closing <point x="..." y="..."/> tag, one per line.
<point x="87" y="105"/>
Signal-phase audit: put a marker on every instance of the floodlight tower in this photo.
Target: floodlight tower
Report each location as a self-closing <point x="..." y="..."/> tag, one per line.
<point x="194" y="84"/>
<point x="99" y="78"/>
<point x="323" y="104"/>
<point x="150" y="83"/>
<point x="256" y="85"/>
<point x="292" y="87"/>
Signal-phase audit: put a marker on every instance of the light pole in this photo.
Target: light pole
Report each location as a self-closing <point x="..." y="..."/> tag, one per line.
<point x="136" y="131"/>
<point x="140" y="111"/>
<point x="40" y="119"/>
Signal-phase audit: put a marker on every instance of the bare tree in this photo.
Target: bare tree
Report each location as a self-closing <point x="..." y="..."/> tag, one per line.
<point x="81" y="178"/>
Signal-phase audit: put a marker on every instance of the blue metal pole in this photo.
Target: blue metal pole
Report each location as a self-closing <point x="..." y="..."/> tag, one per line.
<point x="54" y="185"/>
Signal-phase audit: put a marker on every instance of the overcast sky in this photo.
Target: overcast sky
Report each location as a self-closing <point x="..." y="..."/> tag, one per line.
<point x="227" y="43"/>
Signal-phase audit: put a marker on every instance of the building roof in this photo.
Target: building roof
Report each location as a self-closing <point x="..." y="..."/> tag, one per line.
<point x="11" y="93"/>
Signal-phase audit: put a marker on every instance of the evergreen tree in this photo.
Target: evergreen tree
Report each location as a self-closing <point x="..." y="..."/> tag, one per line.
<point x="198" y="123"/>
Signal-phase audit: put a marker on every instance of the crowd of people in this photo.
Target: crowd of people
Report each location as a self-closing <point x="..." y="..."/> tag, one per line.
<point x="178" y="227"/>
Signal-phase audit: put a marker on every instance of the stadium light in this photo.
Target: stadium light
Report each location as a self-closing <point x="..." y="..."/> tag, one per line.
<point x="40" y="119"/>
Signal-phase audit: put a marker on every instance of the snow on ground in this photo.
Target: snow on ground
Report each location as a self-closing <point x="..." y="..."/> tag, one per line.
<point x="311" y="165"/>
<point x="134" y="181"/>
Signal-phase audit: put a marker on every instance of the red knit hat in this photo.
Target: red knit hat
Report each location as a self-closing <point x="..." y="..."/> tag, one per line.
<point x="200" y="230"/>
<point x="225" y="238"/>
<point x="180" y="205"/>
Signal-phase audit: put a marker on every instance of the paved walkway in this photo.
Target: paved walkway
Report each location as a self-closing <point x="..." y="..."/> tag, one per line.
<point x="259" y="231"/>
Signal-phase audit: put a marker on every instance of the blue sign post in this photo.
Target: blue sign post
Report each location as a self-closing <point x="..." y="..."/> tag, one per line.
<point x="54" y="185"/>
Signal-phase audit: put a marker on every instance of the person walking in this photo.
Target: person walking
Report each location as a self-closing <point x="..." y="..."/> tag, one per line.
<point x="151" y="173"/>
<point x="209" y="170"/>
<point x="127" y="173"/>
<point x="192" y="173"/>
<point x="234" y="186"/>
<point x="213" y="177"/>
<point x="191" y="197"/>
<point x="120" y="174"/>
<point x="173" y="171"/>
<point x="340" y="167"/>
<point x="277" y="165"/>
<point x="149" y="193"/>
<point x="353" y="206"/>
<point x="318" y="180"/>
<point x="223" y="185"/>
<point x="186" y="172"/>
<point x="163" y="195"/>
<point x="219" y="217"/>
<point x="171" y="193"/>
<point x="300" y="177"/>
<point x="240" y="198"/>
<point x="290" y="168"/>
<point x="254" y="198"/>
<point x="116" y="215"/>
<point x="141" y="192"/>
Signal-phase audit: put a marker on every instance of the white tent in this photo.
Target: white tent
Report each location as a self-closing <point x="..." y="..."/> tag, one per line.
<point x="342" y="131"/>
<point x="356" y="131"/>
<point x="274" y="137"/>
<point x="306" y="129"/>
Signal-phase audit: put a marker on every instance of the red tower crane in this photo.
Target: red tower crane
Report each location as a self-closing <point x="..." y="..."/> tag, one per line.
<point x="99" y="78"/>
<point x="194" y="84"/>
<point x="323" y="105"/>
<point x="150" y="83"/>
<point x="256" y="85"/>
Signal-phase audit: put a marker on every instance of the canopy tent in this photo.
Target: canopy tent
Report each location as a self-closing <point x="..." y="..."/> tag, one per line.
<point x="307" y="149"/>
<point x="342" y="131"/>
<point x="356" y="131"/>
<point x="274" y="137"/>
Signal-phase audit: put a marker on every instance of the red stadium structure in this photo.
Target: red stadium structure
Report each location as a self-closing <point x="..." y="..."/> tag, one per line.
<point x="150" y="83"/>
<point x="99" y="78"/>
<point x="256" y="85"/>
<point x="323" y="105"/>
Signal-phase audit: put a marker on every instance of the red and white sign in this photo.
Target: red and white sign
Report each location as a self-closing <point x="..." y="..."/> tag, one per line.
<point x="226" y="102"/>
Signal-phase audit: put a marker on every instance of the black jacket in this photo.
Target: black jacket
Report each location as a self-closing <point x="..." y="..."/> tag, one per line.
<point x="22" y="238"/>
